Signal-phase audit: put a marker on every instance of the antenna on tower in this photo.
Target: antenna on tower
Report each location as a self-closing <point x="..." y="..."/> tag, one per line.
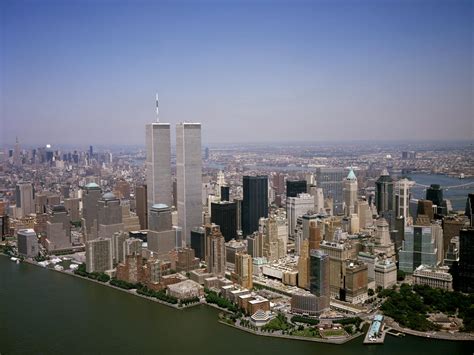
<point x="157" y="109"/>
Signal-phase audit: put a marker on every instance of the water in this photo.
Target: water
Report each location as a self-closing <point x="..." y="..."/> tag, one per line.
<point x="457" y="195"/>
<point x="45" y="312"/>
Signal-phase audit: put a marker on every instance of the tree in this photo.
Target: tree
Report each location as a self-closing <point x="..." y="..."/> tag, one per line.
<point x="370" y="292"/>
<point x="400" y="275"/>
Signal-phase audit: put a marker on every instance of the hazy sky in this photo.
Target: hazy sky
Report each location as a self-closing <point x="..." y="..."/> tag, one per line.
<point x="86" y="72"/>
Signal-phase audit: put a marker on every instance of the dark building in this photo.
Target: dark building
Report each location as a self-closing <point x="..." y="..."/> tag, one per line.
<point x="255" y="202"/>
<point x="319" y="278"/>
<point x="435" y="194"/>
<point x="141" y="205"/>
<point x="4" y="227"/>
<point x="295" y="187"/>
<point x="225" y="193"/>
<point x="198" y="240"/>
<point x="466" y="260"/>
<point x="331" y="181"/>
<point x="224" y="214"/>
<point x="470" y="209"/>
<point x="384" y="194"/>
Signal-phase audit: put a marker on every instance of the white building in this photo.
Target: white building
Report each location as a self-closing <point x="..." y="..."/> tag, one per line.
<point x="297" y="207"/>
<point x="385" y="273"/>
<point x="436" y="277"/>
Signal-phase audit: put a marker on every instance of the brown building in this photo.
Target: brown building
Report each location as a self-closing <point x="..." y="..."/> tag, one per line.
<point x="355" y="281"/>
<point x="243" y="274"/>
<point x="186" y="261"/>
<point x="131" y="270"/>
<point x="451" y="228"/>
<point x="303" y="266"/>
<point x="314" y="235"/>
<point x="122" y="190"/>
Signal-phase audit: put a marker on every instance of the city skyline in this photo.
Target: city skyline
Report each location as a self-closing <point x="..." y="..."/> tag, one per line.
<point x="347" y="71"/>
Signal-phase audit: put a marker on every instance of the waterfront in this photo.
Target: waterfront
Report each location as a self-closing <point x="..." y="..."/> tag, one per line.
<point x="50" y="313"/>
<point x="457" y="195"/>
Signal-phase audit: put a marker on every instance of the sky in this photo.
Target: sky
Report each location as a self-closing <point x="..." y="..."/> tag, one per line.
<point x="86" y="72"/>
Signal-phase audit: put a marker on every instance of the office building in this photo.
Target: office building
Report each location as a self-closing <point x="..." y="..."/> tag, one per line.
<point x="198" y="242"/>
<point x="331" y="181"/>
<point x="215" y="251"/>
<point x="303" y="265"/>
<point x="58" y="229"/>
<point x="99" y="255"/>
<point x="297" y="207"/>
<point x="225" y="193"/>
<point x="402" y="198"/>
<point x="385" y="273"/>
<point x="319" y="278"/>
<point x="158" y="164"/>
<point x="162" y="238"/>
<point x="355" y="281"/>
<point x="383" y="243"/>
<point x="27" y="243"/>
<point x="109" y="215"/>
<point x="434" y="193"/>
<point x="91" y="193"/>
<point x="318" y="195"/>
<point x="350" y="189"/>
<point x="470" y="209"/>
<point x="338" y="252"/>
<point x="231" y="249"/>
<point x="243" y="270"/>
<point x="420" y="247"/>
<point x="295" y="187"/>
<point x="186" y="260"/>
<point x="24" y="197"/>
<point x="466" y="260"/>
<point x="255" y="202"/>
<point x="72" y="207"/>
<point x="384" y="193"/>
<point x="141" y="205"/>
<point x="224" y="214"/>
<point x="255" y="245"/>
<point x="189" y="177"/>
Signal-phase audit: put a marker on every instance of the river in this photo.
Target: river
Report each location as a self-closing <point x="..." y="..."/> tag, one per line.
<point x="46" y="312"/>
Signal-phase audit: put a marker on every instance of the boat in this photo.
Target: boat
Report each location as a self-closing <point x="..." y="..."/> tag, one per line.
<point x="15" y="259"/>
<point x="461" y="176"/>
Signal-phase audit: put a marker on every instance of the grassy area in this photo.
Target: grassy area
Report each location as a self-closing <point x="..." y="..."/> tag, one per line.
<point x="333" y="332"/>
<point x="307" y="332"/>
<point x="278" y="323"/>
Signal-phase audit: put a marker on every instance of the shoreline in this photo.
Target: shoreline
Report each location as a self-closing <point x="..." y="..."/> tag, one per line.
<point x="438" y="336"/>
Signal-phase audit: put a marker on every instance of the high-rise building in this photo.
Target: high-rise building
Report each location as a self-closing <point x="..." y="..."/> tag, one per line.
<point x="319" y="278"/>
<point x="109" y="215"/>
<point x="162" y="238"/>
<point x="231" y="249"/>
<point x="470" y="209"/>
<point x="58" y="229"/>
<point x="331" y="181"/>
<point x="424" y="212"/>
<point x="158" y="164"/>
<point x="466" y="260"/>
<point x="270" y="238"/>
<point x="255" y="202"/>
<point x="402" y="199"/>
<point x="384" y="193"/>
<point x="90" y="198"/>
<point x="243" y="270"/>
<point x="420" y="247"/>
<point x="189" y="177"/>
<point x="318" y="195"/>
<point x="297" y="207"/>
<point x="24" y="196"/>
<point x="225" y="193"/>
<point x="295" y="187"/>
<point x="385" y="272"/>
<point x="355" y="281"/>
<point x="255" y="244"/>
<point x="215" y="251"/>
<point x="72" y="207"/>
<point x="198" y="242"/>
<point x="434" y="193"/>
<point x="350" y="189"/>
<point x="186" y="260"/>
<point x="99" y="256"/>
<point x="224" y="214"/>
<point x="303" y="265"/>
<point x="338" y="252"/>
<point x="383" y="243"/>
<point x="27" y="243"/>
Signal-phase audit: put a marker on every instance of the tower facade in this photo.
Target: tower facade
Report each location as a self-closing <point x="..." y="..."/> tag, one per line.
<point x="189" y="177"/>
<point x="255" y="202"/>
<point x="90" y="198"/>
<point x="331" y="181"/>
<point x="24" y="196"/>
<point x="158" y="164"/>
<point x="319" y="278"/>
<point x="350" y="193"/>
<point x="384" y="196"/>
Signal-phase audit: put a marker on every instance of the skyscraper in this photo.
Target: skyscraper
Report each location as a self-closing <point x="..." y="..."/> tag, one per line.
<point x="297" y="207"/>
<point x="189" y="177"/>
<point x="90" y="198"/>
<point x="99" y="256"/>
<point x="158" y="164"/>
<point x="58" y="229"/>
<point x="330" y="180"/>
<point x="350" y="193"/>
<point x="243" y="270"/>
<point x="384" y="194"/>
<point x="402" y="198"/>
<point x="224" y="214"/>
<point x="319" y="278"/>
<point x="24" y="196"/>
<point x="470" y="209"/>
<point x="27" y="243"/>
<point x="215" y="251"/>
<point x="255" y="202"/>
<point x="295" y="187"/>
<point x="141" y="205"/>
<point x="109" y="215"/>
<point x="198" y="242"/>
<point x="466" y="260"/>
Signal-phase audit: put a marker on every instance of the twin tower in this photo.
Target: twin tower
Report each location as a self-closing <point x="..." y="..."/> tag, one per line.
<point x="188" y="172"/>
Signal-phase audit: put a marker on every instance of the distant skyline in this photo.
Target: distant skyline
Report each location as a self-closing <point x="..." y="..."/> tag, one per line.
<point x="86" y="72"/>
